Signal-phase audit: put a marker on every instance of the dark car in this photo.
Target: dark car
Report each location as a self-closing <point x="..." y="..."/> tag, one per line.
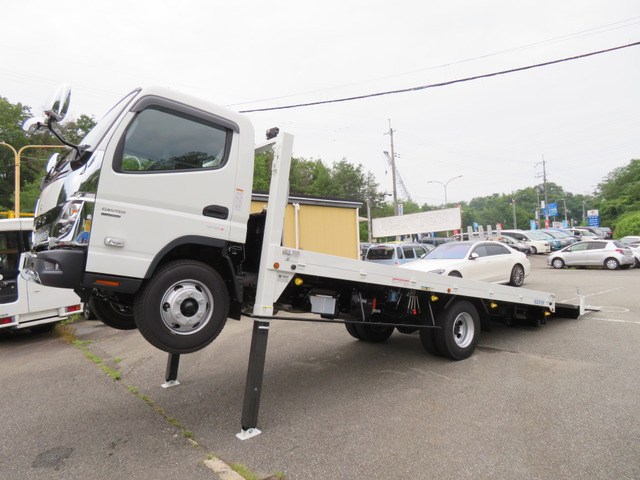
<point x="515" y="244"/>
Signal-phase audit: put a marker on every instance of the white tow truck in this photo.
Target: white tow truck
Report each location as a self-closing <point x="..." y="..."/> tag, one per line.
<point x="26" y="304"/>
<point x="148" y="220"/>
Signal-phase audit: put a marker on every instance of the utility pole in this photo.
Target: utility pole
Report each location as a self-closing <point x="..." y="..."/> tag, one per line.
<point x="393" y="171"/>
<point x="544" y="187"/>
<point x="546" y="202"/>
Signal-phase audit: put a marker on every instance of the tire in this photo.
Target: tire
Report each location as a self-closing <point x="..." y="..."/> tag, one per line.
<point x="183" y="307"/>
<point x="114" y="315"/>
<point x="427" y="339"/>
<point x="87" y="313"/>
<point x="517" y="276"/>
<point x="534" y="250"/>
<point x="353" y="331"/>
<point x="370" y="332"/>
<point x="460" y="330"/>
<point x="557" y="263"/>
<point x="611" y="264"/>
<point x="455" y="274"/>
<point x="637" y="263"/>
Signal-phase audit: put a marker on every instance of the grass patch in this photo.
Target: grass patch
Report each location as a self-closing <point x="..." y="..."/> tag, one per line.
<point x="65" y="332"/>
<point x="95" y="359"/>
<point x="244" y="471"/>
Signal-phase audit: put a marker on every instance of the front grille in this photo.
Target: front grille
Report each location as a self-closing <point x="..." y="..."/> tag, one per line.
<point x="41" y="236"/>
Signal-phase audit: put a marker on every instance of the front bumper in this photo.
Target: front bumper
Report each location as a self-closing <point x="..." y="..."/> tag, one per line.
<point x="63" y="268"/>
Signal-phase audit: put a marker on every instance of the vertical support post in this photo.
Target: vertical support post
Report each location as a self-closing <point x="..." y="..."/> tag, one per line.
<point x="171" y="375"/>
<point x="271" y="282"/>
<point x="255" y="375"/>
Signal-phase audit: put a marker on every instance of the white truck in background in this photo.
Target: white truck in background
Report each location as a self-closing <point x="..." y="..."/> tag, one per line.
<point x="26" y="304"/>
<point x="149" y="221"/>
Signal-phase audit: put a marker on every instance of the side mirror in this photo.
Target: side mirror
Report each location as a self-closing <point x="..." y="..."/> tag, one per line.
<point x="59" y="106"/>
<point x="34" y="124"/>
<point x="59" y="103"/>
<point x="473" y="256"/>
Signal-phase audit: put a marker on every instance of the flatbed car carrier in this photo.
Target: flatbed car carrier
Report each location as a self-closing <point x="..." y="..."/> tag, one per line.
<point x="148" y="221"/>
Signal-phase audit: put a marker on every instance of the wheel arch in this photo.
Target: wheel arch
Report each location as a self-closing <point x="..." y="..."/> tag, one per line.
<point x="223" y="256"/>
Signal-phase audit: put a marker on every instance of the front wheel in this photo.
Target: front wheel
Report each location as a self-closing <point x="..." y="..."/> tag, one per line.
<point x="517" y="276"/>
<point x="459" y="331"/>
<point x="183" y="307"/>
<point x="557" y="263"/>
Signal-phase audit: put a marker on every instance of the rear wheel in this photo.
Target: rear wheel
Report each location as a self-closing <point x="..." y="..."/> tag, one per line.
<point x="370" y="332"/>
<point x="557" y="263"/>
<point x="459" y="331"/>
<point x="112" y="314"/>
<point x="517" y="276"/>
<point x="611" y="264"/>
<point x="351" y="328"/>
<point x="427" y="339"/>
<point x="183" y="307"/>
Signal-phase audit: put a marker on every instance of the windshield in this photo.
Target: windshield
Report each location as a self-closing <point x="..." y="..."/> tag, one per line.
<point x="540" y="235"/>
<point x="380" y="253"/>
<point x="451" y="250"/>
<point x="92" y="139"/>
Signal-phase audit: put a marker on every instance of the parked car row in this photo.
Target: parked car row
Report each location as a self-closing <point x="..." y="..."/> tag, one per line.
<point x="503" y="258"/>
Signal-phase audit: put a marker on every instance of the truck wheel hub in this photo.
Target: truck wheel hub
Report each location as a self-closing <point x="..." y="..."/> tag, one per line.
<point x="186" y="307"/>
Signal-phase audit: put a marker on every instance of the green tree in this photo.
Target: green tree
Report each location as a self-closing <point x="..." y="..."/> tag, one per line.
<point x="628" y="224"/>
<point x="619" y="194"/>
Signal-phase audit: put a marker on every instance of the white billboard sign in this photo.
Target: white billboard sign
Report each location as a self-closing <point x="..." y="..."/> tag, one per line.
<point x="423" y="222"/>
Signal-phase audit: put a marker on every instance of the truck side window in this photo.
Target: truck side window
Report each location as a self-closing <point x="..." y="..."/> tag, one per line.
<point x="9" y="254"/>
<point x="159" y="139"/>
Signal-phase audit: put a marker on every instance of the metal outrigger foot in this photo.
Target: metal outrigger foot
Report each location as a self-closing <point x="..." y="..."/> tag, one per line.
<point x="171" y="375"/>
<point x="255" y="374"/>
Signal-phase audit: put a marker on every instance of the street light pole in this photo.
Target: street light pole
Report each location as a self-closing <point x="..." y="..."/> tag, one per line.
<point x="16" y="155"/>
<point x="445" y="187"/>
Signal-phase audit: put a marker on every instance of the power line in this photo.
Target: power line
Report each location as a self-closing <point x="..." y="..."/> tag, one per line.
<point x="582" y="33"/>
<point x="441" y="84"/>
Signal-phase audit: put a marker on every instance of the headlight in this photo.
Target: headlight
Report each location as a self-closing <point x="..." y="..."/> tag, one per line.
<point x="73" y="224"/>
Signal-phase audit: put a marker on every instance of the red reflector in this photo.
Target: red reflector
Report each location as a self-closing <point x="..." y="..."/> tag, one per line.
<point x="108" y="282"/>
<point x="5" y="320"/>
<point x="73" y="308"/>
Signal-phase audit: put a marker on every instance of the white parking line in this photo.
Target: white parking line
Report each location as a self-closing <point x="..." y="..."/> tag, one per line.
<point x="616" y="320"/>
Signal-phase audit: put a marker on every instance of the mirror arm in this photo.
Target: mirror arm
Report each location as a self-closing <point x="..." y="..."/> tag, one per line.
<point x="59" y="137"/>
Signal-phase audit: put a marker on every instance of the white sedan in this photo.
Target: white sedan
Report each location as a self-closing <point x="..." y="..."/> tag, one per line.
<point x="488" y="261"/>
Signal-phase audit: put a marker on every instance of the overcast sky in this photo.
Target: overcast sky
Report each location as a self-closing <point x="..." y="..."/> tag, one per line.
<point x="582" y="116"/>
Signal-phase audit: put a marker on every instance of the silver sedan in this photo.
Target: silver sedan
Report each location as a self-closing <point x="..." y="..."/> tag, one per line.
<point x="610" y="254"/>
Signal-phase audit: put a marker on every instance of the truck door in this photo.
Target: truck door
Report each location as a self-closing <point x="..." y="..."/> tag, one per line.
<point x="169" y="173"/>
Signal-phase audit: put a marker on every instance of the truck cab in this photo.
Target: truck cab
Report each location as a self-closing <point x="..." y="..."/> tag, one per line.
<point x="163" y="177"/>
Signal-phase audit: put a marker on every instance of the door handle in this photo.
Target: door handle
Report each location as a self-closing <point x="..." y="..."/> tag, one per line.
<point x="216" y="211"/>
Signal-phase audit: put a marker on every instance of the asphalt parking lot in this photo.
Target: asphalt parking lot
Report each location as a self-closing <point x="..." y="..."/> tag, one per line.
<point x="557" y="402"/>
